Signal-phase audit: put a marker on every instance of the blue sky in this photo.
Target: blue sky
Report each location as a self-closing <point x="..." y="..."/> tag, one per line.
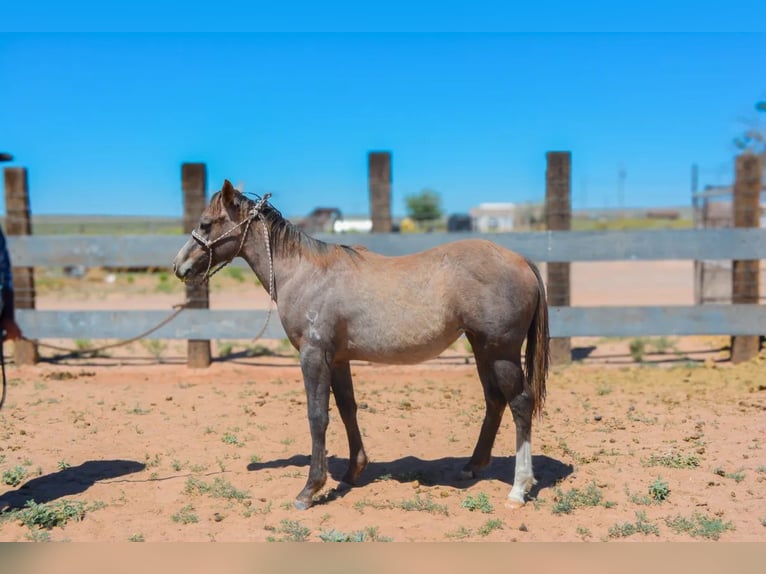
<point x="103" y="119"/>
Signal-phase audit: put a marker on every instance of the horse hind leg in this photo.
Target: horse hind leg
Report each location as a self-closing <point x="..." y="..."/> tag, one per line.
<point x="495" y="404"/>
<point x="521" y="401"/>
<point x="343" y="390"/>
<point x="504" y="384"/>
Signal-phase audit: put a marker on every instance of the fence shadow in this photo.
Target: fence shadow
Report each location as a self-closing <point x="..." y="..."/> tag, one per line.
<point x="67" y="482"/>
<point x="437" y="472"/>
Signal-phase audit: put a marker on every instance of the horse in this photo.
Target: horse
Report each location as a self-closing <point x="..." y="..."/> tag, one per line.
<point x="340" y="303"/>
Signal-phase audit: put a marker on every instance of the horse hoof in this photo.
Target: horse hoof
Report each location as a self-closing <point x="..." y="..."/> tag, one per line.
<point x="513" y="504"/>
<point x="301" y="504"/>
<point x="467" y="474"/>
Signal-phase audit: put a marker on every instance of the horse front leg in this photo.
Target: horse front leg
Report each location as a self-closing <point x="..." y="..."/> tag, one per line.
<point x="316" y="380"/>
<point x="343" y="391"/>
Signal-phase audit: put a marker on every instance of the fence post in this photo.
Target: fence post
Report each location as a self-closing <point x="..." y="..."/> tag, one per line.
<point x="745" y="280"/>
<point x="18" y="222"/>
<point x="558" y="217"/>
<point x="194" y="184"/>
<point x="379" y="182"/>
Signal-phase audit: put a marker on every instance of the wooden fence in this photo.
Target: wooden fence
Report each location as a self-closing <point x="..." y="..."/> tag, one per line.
<point x="745" y="319"/>
<point x="548" y="246"/>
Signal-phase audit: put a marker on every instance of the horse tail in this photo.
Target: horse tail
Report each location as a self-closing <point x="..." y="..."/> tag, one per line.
<point x="537" y="356"/>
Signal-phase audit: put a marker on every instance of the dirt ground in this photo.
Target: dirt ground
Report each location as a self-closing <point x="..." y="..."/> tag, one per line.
<point x="136" y="446"/>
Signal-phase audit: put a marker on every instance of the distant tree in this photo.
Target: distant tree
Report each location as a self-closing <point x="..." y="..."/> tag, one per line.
<point x="424" y="206"/>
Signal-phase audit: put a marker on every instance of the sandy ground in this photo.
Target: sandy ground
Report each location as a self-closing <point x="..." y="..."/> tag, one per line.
<point x="136" y="446"/>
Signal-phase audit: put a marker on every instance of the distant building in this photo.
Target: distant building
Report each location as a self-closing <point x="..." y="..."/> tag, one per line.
<point x="320" y="220"/>
<point x="459" y="222"/>
<point x="352" y="225"/>
<point x="494" y="217"/>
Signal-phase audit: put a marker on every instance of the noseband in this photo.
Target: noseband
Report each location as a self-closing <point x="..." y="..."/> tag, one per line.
<point x="256" y="212"/>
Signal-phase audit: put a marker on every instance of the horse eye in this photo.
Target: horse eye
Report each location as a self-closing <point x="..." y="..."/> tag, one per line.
<point x="205" y="226"/>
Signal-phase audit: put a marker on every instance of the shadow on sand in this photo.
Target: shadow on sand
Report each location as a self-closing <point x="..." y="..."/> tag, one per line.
<point x="67" y="482"/>
<point x="442" y="471"/>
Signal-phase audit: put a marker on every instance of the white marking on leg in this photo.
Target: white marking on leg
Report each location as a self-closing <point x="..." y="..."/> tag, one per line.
<point x="523" y="479"/>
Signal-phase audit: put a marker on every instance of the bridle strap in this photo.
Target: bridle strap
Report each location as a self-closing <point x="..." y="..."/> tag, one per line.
<point x="255" y="212"/>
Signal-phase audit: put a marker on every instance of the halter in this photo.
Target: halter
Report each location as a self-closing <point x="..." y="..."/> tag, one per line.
<point x="255" y="212"/>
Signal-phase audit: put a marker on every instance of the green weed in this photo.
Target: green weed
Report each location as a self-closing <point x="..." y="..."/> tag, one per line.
<point x="186" y="515"/>
<point x="673" y="460"/>
<point x="419" y="504"/>
<point x="231" y="438"/>
<point x="567" y="502"/>
<point x="659" y="490"/>
<point x="369" y="534"/>
<point x="699" y="526"/>
<point x="479" y="502"/>
<point x="291" y="531"/>
<point x="219" y="488"/>
<point x="14" y="476"/>
<point x="640" y="526"/>
<point x="50" y="515"/>
<point x="490" y="525"/>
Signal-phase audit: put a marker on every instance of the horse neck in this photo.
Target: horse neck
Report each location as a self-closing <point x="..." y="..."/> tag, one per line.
<point x="285" y="244"/>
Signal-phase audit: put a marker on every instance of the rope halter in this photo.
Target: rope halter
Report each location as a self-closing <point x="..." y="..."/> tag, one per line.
<point x="256" y="212"/>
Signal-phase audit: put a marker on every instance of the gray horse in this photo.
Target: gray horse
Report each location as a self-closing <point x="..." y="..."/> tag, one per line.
<point x="339" y="303"/>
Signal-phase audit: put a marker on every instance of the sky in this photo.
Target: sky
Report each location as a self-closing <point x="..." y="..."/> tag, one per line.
<point x="103" y="106"/>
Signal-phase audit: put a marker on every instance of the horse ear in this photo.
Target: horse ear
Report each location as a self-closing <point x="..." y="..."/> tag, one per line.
<point x="227" y="191"/>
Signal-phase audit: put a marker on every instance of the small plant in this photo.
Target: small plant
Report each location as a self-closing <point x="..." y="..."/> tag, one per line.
<point x="673" y="460"/>
<point x="63" y="465"/>
<point x="14" y="476"/>
<point x="699" y="526"/>
<point x="155" y="347"/>
<point x="260" y="351"/>
<point x="489" y="526"/>
<point x="738" y="476"/>
<point x="659" y="490"/>
<point x="236" y="273"/>
<point x="220" y="488"/>
<point x="231" y="438"/>
<point x="637" y="348"/>
<point x="50" y="515"/>
<point x="186" y="515"/>
<point x="423" y="505"/>
<point x="163" y="283"/>
<point x="369" y="534"/>
<point x="641" y="526"/>
<point x="138" y="537"/>
<point x="584" y="532"/>
<point x="292" y="531"/>
<point x="459" y="534"/>
<point x="567" y="502"/>
<point x="603" y="389"/>
<point x="225" y="349"/>
<point x="137" y="410"/>
<point x="479" y="502"/>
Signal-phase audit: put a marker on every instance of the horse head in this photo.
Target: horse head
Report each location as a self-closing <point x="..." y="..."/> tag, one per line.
<point x="218" y="237"/>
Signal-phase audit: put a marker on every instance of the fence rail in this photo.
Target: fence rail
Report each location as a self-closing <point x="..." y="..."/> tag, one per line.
<point x="549" y="246"/>
<point x="230" y="324"/>
<point x="540" y="246"/>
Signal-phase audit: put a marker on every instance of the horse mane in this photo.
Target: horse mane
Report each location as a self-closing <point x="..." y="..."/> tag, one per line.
<point x="287" y="240"/>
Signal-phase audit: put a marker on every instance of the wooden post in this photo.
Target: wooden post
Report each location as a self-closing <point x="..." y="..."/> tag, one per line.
<point x="379" y="181"/>
<point x="745" y="280"/>
<point x="194" y="184"/>
<point x="558" y="217"/>
<point x="18" y="222"/>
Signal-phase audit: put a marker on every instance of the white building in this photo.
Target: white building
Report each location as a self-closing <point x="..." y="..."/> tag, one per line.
<point x="493" y="217"/>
